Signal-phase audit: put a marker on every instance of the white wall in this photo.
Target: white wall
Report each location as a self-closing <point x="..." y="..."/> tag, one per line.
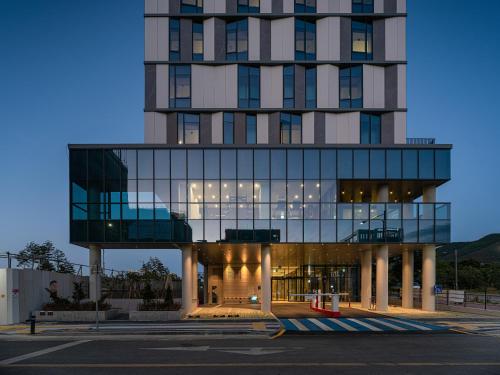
<point x="334" y="6"/>
<point x="217" y="132"/>
<point x="328" y="38"/>
<point x="271" y="86"/>
<point x="156" y="39"/>
<point x="209" y="39"/>
<point x="288" y="6"/>
<point x="214" y="86"/>
<point x="156" y="6"/>
<point x="266" y="6"/>
<point x="342" y="128"/>
<point x="395" y="39"/>
<point x="262" y="128"/>
<point x="402" y="86"/>
<point x="253" y="38"/>
<point x="400" y="127"/>
<point x="214" y="6"/>
<point x="378" y="6"/>
<point x="283" y="39"/>
<point x="401" y="6"/>
<point x="162" y="86"/>
<point x="373" y="86"/>
<point x="327" y="86"/>
<point x="155" y="127"/>
<point x="308" y="128"/>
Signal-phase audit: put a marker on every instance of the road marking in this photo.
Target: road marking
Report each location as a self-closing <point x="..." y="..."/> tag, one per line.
<point x="323" y="326"/>
<point x="380" y="321"/>
<point x="183" y="348"/>
<point x="298" y="324"/>
<point x="38" y="353"/>
<point x="343" y="324"/>
<point x="364" y="324"/>
<point x="411" y="324"/>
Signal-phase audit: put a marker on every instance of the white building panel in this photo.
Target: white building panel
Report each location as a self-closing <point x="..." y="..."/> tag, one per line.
<point x="214" y="6"/>
<point x="162" y="86"/>
<point x="214" y="86"/>
<point x="149" y="127"/>
<point x="395" y="39"/>
<point x="402" y="86"/>
<point x="328" y="38"/>
<point x="288" y="6"/>
<point x="156" y="6"/>
<point x="163" y="6"/>
<point x="151" y="38"/>
<point x="163" y="39"/>
<point x="400" y="127"/>
<point x="334" y="6"/>
<point x="253" y="38"/>
<point x="308" y="128"/>
<point x="231" y="80"/>
<point x="155" y="128"/>
<point x="342" y="128"/>
<point x="217" y="137"/>
<point x="401" y="6"/>
<point x="373" y="86"/>
<point x="283" y="39"/>
<point x="262" y="128"/>
<point x="378" y="6"/>
<point x="327" y="86"/>
<point x="266" y="6"/>
<point x="209" y="39"/>
<point x="271" y="86"/>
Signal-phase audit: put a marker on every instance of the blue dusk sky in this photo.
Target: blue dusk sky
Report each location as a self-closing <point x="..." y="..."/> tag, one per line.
<point x="72" y="72"/>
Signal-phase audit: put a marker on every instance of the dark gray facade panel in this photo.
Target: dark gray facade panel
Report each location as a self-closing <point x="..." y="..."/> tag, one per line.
<point x="300" y="86"/>
<point x="231" y="6"/>
<point x="220" y="39"/>
<point x="186" y="39"/>
<point x="391" y="86"/>
<point x="345" y="39"/>
<point x="205" y="129"/>
<point x="390" y="6"/>
<point x="319" y="128"/>
<point x="274" y="128"/>
<point x="388" y="129"/>
<point x="240" y="128"/>
<point x="150" y="87"/>
<point x="174" y="7"/>
<point x="265" y="39"/>
<point x="277" y="7"/>
<point x="172" y="128"/>
<point x="379" y="39"/>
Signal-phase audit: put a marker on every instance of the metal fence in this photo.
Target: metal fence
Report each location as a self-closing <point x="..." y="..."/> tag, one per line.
<point x="474" y="300"/>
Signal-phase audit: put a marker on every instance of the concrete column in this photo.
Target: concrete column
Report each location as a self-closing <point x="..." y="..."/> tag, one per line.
<point x="383" y="194"/>
<point x="187" y="279"/>
<point x="428" y="278"/>
<point x="382" y="276"/>
<point x="265" y="255"/>
<point x="195" y="278"/>
<point x="407" y="287"/>
<point x="95" y="272"/>
<point x="429" y="194"/>
<point x="366" y="279"/>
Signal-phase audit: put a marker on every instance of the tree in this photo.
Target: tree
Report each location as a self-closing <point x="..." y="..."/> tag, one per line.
<point x="44" y="257"/>
<point x="154" y="269"/>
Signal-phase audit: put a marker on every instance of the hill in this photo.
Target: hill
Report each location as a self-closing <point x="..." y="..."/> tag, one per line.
<point x="484" y="250"/>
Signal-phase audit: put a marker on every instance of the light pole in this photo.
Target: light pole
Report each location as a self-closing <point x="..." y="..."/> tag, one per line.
<point x="456" y="269"/>
<point x="95" y="271"/>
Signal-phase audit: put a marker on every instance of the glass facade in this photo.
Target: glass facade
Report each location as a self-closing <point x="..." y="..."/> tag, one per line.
<point x="174" y="39"/>
<point x="249" y="195"/>
<point x="248" y="87"/>
<point x="191" y="6"/>
<point x="305" y="40"/>
<point x="305" y="6"/>
<point x="362" y="6"/>
<point x="351" y="87"/>
<point x="362" y="40"/>
<point x="248" y="6"/>
<point x="197" y="41"/>
<point x="237" y="40"/>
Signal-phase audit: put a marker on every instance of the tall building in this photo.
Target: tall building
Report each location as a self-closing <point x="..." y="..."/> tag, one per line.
<point x="276" y="154"/>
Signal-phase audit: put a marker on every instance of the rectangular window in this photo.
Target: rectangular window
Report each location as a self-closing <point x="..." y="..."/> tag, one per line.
<point x="174" y="39"/>
<point x="288" y="86"/>
<point x="248" y="6"/>
<point x="305" y="6"/>
<point x="370" y="131"/>
<point x="351" y="87"/>
<point x="188" y="129"/>
<point x="248" y="87"/>
<point x="251" y="136"/>
<point x="362" y="6"/>
<point x="228" y="132"/>
<point x="237" y="40"/>
<point x="305" y="40"/>
<point x="180" y="86"/>
<point x="191" y="6"/>
<point x="290" y="128"/>
<point x="197" y="41"/>
<point x="362" y="40"/>
<point x="311" y="88"/>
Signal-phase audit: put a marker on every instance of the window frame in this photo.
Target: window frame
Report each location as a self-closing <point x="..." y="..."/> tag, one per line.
<point x="245" y="73"/>
<point x="181" y="128"/>
<point x="302" y="33"/>
<point x="245" y="7"/>
<point x="305" y="6"/>
<point x="350" y="102"/>
<point x="173" y="77"/>
<point x="174" y="24"/>
<point x="197" y="56"/>
<point x="311" y="72"/>
<point x="241" y="28"/>
<point x="370" y="129"/>
<point x="253" y="116"/>
<point x="287" y="126"/>
<point x="363" y="6"/>
<point x="365" y="28"/>
<point x="289" y="102"/>
<point x="229" y="121"/>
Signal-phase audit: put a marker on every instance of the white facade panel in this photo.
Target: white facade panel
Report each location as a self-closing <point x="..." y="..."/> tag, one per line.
<point x="402" y="86"/>
<point x="217" y="135"/>
<point x="400" y="127"/>
<point x="253" y="38"/>
<point x="401" y="6"/>
<point x="342" y="128"/>
<point x="378" y="6"/>
<point x="395" y="39"/>
<point x="149" y="127"/>
<point x="327" y="86"/>
<point x="288" y="6"/>
<point x="209" y="39"/>
<point x="266" y="6"/>
<point x="334" y="6"/>
<point x="163" y="39"/>
<point x="163" y="6"/>
<point x="162" y="86"/>
<point x="271" y="86"/>
<point x="231" y="80"/>
<point x="262" y="128"/>
<point x="328" y="38"/>
<point x="214" y="6"/>
<point x="283" y="39"/>
<point x="151" y="38"/>
<point x="214" y="86"/>
<point x="156" y="6"/>
<point x="373" y="86"/>
<point x="308" y="128"/>
<point x="155" y="128"/>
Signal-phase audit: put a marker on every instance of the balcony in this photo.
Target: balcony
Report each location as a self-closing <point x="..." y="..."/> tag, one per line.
<point x="420" y="141"/>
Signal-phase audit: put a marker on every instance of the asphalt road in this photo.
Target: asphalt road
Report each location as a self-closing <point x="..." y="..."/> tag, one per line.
<point x="343" y="353"/>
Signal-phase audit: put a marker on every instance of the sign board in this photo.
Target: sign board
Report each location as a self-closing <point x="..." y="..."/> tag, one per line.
<point x="438" y="289"/>
<point x="456" y="296"/>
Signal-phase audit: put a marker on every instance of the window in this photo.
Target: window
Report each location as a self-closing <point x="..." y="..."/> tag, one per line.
<point x="288" y="86"/>
<point x="362" y="6"/>
<point x="370" y="129"/>
<point x="197" y="41"/>
<point x="180" y="86"/>
<point x="248" y="6"/>
<point x="174" y="39"/>
<point x="237" y="40"/>
<point x="351" y="87"/>
<point x="305" y="40"/>
<point x="362" y="41"/>
<point x="305" y="6"/>
<point x="188" y="129"/>
<point x="191" y="6"/>
<point x="251" y="137"/>
<point x="311" y="88"/>
<point x="248" y="87"/>
<point x="290" y="128"/>
<point x="228" y="131"/>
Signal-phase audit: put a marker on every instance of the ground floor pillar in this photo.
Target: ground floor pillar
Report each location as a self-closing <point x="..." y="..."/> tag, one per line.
<point x="366" y="279"/>
<point x="407" y="278"/>
<point x="187" y="279"/>
<point x="428" y="278"/>
<point x="95" y="272"/>
<point x="382" y="275"/>
<point x="194" y="274"/>
<point x="265" y="255"/>
<point x="205" y="284"/>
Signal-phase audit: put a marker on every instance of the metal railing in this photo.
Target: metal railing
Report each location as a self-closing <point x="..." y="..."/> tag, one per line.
<point x="473" y="300"/>
<point x="420" y="141"/>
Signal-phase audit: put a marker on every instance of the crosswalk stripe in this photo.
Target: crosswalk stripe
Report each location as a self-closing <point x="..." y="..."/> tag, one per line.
<point x="406" y="322"/>
<point x="380" y="321"/>
<point x="321" y="325"/>
<point x="343" y="324"/>
<point x="364" y="324"/>
<point x="298" y="324"/>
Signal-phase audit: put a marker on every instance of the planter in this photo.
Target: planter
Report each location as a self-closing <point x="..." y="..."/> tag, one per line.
<point x="156" y="316"/>
<point x="74" y="316"/>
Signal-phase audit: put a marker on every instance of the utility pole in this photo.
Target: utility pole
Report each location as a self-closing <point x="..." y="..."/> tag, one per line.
<point x="456" y="269"/>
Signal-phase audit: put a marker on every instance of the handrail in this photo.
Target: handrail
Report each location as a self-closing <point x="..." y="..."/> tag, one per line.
<point x="420" y="141"/>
